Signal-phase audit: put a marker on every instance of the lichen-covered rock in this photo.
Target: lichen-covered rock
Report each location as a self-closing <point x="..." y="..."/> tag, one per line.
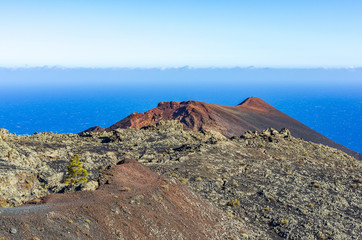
<point x="286" y="188"/>
<point x="4" y="131"/>
<point x="5" y="150"/>
<point x="296" y="189"/>
<point x="90" y="186"/>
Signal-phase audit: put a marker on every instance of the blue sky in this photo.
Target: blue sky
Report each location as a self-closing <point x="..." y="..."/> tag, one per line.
<point x="261" y="33"/>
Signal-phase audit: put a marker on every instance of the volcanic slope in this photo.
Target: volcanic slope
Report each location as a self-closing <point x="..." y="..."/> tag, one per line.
<point x="273" y="185"/>
<point x="131" y="203"/>
<point x="253" y="114"/>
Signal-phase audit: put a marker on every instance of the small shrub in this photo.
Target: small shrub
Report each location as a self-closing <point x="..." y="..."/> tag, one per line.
<point x="166" y="187"/>
<point x="198" y="179"/>
<point x="234" y="203"/>
<point x="284" y="222"/>
<point x="76" y="172"/>
<point x="183" y="180"/>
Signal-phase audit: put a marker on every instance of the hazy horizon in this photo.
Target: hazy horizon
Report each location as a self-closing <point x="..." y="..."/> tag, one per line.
<point x="170" y="34"/>
<point x="68" y="65"/>
<point x="72" y="100"/>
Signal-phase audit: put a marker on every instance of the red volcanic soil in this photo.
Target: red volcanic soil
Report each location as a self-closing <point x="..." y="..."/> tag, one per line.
<point x="252" y="114"/>
<point x="131" y="203"/>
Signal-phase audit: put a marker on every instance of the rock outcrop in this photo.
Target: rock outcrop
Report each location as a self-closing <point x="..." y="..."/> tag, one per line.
<point x="269" y="184"/>
<point x="253" y="114"/>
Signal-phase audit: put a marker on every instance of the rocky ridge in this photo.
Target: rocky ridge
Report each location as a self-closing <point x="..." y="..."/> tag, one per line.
<point x="251" y="114"/>
<point x="275" y="185"/>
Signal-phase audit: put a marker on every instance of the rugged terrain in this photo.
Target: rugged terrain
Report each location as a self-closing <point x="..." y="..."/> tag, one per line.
<point x="131" y="203"/>
<point x="253" y="114"/>
<point x="266" y="185"/>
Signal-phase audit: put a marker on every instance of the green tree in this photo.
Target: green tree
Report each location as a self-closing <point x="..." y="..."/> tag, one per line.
<point x="76" y="172"/>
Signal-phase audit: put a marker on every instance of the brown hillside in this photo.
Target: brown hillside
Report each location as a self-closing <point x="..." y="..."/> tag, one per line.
<point x="252" y="114"/>
<point x="131" y="203"/>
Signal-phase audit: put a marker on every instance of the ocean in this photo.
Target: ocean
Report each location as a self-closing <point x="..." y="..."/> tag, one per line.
<point x="66" y="100"/>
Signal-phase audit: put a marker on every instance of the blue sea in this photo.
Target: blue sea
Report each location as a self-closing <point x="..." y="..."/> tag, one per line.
<point x="65" y="100"/>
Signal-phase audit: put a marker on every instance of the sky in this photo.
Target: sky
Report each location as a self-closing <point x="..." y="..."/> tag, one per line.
<point x="260" y="33"/>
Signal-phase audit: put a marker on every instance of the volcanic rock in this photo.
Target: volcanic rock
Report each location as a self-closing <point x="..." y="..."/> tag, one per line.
<point x="131" y="203"/>
<point x="274" y="185"/>
<point x="253" y="114"/>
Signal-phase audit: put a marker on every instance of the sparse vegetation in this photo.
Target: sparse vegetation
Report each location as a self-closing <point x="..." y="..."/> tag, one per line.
<point x="234" y="203"/>
<point x="76" y="172"/>
<point x="198" y="179"/>
<point x="183" y="180"/>
<point x="314" y="193"/>
<point x="284" y="222"/>
<point x="166" y="187"/>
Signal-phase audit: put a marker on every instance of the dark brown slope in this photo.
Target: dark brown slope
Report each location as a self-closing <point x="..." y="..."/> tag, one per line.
<point x="131" y="203"/>
<point x="252" y="114"/>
